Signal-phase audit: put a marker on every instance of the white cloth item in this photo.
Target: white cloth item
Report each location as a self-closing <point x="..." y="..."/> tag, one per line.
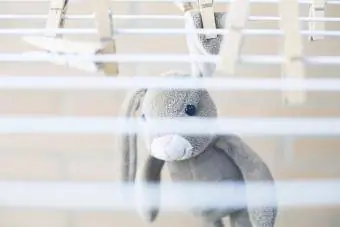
<point x="171" y="148"/>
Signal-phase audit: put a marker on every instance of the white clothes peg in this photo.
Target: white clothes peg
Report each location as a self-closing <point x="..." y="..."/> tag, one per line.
<point x="232" y="42"/>
<point x="317" y="10"/>
<point x="292" y="49"/>
<point x="206" y="8"/>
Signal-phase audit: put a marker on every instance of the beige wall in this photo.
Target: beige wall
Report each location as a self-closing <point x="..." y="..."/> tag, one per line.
<point x="93" y="157"/>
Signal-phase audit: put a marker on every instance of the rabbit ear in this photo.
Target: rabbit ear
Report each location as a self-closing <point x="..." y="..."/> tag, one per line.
<point x="127" y="143"/>
<point x="199" y="44"/>
<point x="148" y="199"/>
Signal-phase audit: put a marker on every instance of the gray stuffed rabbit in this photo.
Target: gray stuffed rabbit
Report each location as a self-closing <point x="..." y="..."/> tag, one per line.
<point x="205" y="158"/>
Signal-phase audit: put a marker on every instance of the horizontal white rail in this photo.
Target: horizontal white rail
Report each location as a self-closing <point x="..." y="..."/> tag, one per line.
<point x="83" y="196"/>
<point x="187" y="58"/>
<point x="330" y="2"/>
<point x="155" y="17"/>
<point x="156" y="31"/>
<point x="180" y="31"/>
<point x="91" y="16"/>
<point x="136" y="82"/>
<point x="42" y="31"/>
<point x="195" y="126"/>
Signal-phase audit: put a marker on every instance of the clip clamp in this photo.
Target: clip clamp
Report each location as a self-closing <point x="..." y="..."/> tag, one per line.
<point x="104" y="21"/>
<point x="293" y="48"/>
<point x="317" y="11"/>
<point x="208" y="16"/>
<point x="233" y="41"/>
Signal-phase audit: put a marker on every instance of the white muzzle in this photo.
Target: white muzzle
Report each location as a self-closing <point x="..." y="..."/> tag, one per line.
<point x="171" y="148"/>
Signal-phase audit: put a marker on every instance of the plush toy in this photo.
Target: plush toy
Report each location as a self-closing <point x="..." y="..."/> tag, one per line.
<point x="200" y="158"/>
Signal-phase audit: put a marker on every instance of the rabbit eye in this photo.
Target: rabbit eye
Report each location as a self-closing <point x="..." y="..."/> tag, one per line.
<point x="190" y="110"/>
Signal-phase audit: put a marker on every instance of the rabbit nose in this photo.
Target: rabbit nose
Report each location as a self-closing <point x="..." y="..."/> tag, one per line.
<point x="171" y="148"/>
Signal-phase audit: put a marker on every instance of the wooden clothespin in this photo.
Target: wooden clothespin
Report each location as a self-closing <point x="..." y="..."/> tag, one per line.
<point x="293" y="48"/>
<point x="55" y="17"/>
<point x="105" y="30"/>
<point x="317" y="10"/>
<point x="184" y="6"/>
<point x="233" y="41"/>
<point x="208" y="16"/>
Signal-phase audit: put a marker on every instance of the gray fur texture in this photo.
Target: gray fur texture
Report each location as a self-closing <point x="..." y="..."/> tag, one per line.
<point x="215" y="158"/>
<point x="198" y="44"/>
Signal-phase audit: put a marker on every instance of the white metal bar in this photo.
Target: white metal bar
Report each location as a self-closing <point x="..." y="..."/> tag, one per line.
<point x="179" y="31"/>
<point x="42" y="16"/>
<point x="156" y="17"/>
<point x="193" y="126"/>
<point x="246" y="59"/>
<point x="157" y="31"/>
<point x="137" y="82"/>
<point x="330" y="2"/>
<point x="82" y="196"/>
<point x="43" y="31"/>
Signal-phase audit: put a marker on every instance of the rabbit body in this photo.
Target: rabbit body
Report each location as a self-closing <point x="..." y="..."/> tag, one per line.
<point x="212" y="165"/>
